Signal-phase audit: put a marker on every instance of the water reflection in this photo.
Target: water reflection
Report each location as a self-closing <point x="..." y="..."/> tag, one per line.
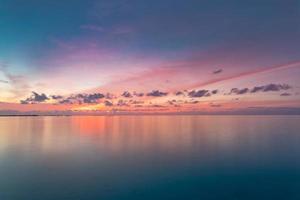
<point x="125" y="153"/>
<point x="143" y="133"/>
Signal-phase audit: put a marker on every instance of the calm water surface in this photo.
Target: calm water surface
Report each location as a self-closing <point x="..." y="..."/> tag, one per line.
<point x="150" y="157"/>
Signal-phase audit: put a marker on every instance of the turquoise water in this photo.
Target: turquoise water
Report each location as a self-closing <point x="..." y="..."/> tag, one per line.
<point x="150" y="157"/>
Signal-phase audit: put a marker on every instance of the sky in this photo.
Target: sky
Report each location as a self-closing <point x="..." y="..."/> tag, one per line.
<point x="159" y="56"/>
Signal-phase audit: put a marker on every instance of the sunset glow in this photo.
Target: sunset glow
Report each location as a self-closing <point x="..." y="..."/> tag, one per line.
<point x="118" y="57"/>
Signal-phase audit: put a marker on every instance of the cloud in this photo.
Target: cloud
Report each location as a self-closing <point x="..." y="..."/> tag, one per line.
<point x="35" y="98"/>
<point x="92" y="98"/>
<point x="108" y="103"/>
<point x="199" y="93"/>
<point x="24" y="102"/>
<point x="72" y="99"/>
<point x="285" y="94"/>
<point x="271" y="87"/>
<point x="246" y="74"/>
<point x="19" y="84"/>
<point x="110" y="96"/>
<point x="239" y="91"/>
<point x="136" y="102"/>
<point x="39" y="97"/>
<point x="126" y="94"/>
<point x="122" y="103"/>
<point x="138" y="94"/>
<point x="214" y="91"/>
<point x="157" y="93"/>
<point x="218" y="71"/>
<point x="55" y="97"/>
<point x="179" y="93"/>
<point x="82" y="98"/>
<point x="66" y="101"/>
<point x="264" y="88"/>
<point x="172" y="102"/>
<point x="257" y="89"/>
<point x="274" y="87"/>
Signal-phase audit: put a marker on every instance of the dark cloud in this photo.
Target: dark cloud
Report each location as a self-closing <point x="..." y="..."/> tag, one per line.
<point x="55" y="97"/>
<point x="122" y="103"/>
<point x="199" y="93"/>
<point x="239" y="91"/>
<point x="172" y="102"/>
<point x="126" y="94"/>
<point x="276" y="87"/>
<point x="24" y="102"/>
<point x="264" y="88"/>
<point x="109" y="96"/>
<point x="79" y="98"/>
<point x="214" y="91"/>
<point x="271" y="87"/>
<point x="35" y="98"/>
<point x="92" y="98"/>
<point x="257" y="89"/>
<point x="179" y="93"/>
<point x="108" y="103"/>
<point x="157" y="93"/>
<point x="66" y="101"/>
<point x="70" y="100"/>
<point x="137" y="102"/>
<point x="218" y="71"/>
<point x="138" y="94"/>
<point x="285" y="94"/>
